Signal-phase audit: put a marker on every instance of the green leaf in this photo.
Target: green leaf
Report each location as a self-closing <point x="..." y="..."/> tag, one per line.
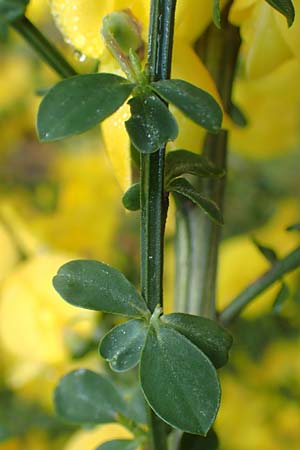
<point x="282" y="295"/>
<point x="86" y="397"/>
<point x="294" y="227"/>
<point x="267" y="252"/>
<point x="206" y="334"/>
<point x="238" y="116"/>
<point x="285" y="7"/>
<point x="179" y="162"/>
<point x="183" y="187"/>
<point x="93" y="285"/>
<point x="179" y="381"/>
<point x="216" y="13"/>
<point x="78" y="103"/>
<point x="151" y="124"/>
<point x="121" y="444"/>
<point x="10" y="10"/>
<point x="195" y="103"/>
<point x="192" y="442"/>
<point x="131" y="198"/>
<point x="122" y="345"/>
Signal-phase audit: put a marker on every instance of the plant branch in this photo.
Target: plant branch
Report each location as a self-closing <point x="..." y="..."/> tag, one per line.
<point x="43" y="47"/>
<point x="280" y="268"/>
<point x="219" y="50"/>
<point x="154" y="201"/>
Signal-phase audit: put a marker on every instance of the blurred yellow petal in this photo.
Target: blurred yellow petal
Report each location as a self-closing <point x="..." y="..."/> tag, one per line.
<point x="8" y="255"/>
<point x="265" y="48"/>
<point x="192" y="17"/>
<point x="33" y="316"/>
<point x="117" y="145"/>
<point x="290" y="35"/>
<point x="88" y="210"/>
<point x="80" y="21"/>
<point x="272" y="106"/>
<point x="240" y="10"/>
<point x="90" y="439"/>
<point x="38" y="10"/>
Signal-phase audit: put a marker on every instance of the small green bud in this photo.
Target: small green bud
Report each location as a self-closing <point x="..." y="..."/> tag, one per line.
<point x="124" y="29"/>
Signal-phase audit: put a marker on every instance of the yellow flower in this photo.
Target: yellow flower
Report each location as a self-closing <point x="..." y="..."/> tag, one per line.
<point x="272" y="106"/>
<point x="89" y="207"/>
<point x="90" y="439"/>
<point x="34" y="318"/>
<point x="9" y="256"/>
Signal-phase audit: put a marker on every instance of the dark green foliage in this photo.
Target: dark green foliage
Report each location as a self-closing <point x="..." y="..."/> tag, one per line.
<point x="97" y="286"/>
<point x="85" y="397"/>
<point x="10" y="10"/>
<point x="122" y="345"/>
<point x="179" y="162"/>
<point x="183" y="187"/>
<point x="195" y="103"/>
<point x="179" y="381"/>
<point x="131" y="198"/>
<point x="151" y="124"/>
<point x="206" y="334"/>
<point x="78" y="103"/>
<point x="192" y="442"/>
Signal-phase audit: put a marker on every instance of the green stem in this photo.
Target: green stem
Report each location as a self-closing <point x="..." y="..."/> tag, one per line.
<point x="280" y="268"/>
<point x="154" y="201"/>
<point x="43" y="47"/>
<point x="219" y="50"/>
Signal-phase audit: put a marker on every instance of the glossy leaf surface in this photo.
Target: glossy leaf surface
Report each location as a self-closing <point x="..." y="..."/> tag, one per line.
<point x="195" y="103"/>
<point x="151" y="124"/>
<point x="192" y="442"/>
<point x="93" y="285"/>
<point x="83" y="396"/>
<point x="131" y="198"/>
<point x="206" y="334"/>
<point x="78" y="103"/>
<point x="183" y="187"/>
<point x="11" y="10"/>
<point x="122" y="345"/>
<point x="285" y="7"/>
<point x="179" y="162"/>
<point x="119" y="444"/>
<point x="179" y="381"/>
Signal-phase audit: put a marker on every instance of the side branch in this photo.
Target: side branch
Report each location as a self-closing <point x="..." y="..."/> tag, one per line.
<point x="280" y="268"/>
